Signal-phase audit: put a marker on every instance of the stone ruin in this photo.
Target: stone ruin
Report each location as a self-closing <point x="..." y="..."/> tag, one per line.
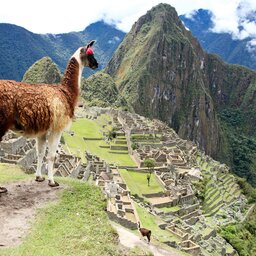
<point x="120" y="207"/>
<point x="22" y="151"/>
<point x="176" y="169"/>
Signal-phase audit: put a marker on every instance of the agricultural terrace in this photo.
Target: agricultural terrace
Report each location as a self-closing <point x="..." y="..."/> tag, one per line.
<point x="96" y="143"/>
<point x="137" y="182"/>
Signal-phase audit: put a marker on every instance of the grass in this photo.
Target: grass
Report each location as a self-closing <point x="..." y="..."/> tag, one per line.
<point x="150" y="222"/>
<point x="75" y="225"/>
<point x="137" y="182"/>
<point x="170" y="209"/>
<point x="86" y="128"/>
<point x="10" y="173"/>
<point x="158" y="235"/>
<point x="83" y="127"/>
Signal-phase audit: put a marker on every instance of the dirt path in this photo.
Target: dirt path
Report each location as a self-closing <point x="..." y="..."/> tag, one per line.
<point x="130" y="240"/>
<point x="18" y="207"/>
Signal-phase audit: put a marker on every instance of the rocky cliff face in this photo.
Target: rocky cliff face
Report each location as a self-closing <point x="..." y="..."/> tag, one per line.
<point x="160" y="69"/>
<point x="232" y="86"/>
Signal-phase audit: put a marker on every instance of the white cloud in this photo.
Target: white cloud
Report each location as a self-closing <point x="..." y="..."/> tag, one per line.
<point x="61" y="16"/>
<point x="251" y="46"/>
<point x="238" y="21"/>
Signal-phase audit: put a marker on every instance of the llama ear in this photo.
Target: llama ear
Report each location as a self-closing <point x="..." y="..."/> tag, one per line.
<point x="91" y="44"/>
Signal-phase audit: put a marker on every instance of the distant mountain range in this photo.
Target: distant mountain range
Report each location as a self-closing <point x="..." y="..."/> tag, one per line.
<point x="232" y="51"/>
<point x="20" y="48"/>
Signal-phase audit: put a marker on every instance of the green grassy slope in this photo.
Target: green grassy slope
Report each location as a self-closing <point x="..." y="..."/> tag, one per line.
<point x="75" y="225"/>
<point x="88" y="128"/>
<point x="137" y="182"/>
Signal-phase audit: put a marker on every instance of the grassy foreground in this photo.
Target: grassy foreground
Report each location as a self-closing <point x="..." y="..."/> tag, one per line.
<point x="10" y="173"/>
<point x="75" y="225"/>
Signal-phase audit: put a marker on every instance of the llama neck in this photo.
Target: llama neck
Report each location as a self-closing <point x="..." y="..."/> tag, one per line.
<point x="71" y="81"/>
<point x="73" y="73"/>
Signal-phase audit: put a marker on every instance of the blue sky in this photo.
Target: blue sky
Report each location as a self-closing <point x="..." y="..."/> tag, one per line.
<point x="62" y="16"/>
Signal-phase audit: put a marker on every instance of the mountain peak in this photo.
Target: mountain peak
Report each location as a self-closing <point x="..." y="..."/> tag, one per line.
<point x="100" y="25"/>
<point x="159" y="14"/>
<point x="43" y="71"/>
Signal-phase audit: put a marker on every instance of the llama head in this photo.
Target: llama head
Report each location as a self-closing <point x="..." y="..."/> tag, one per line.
<point x="87" y="56"/>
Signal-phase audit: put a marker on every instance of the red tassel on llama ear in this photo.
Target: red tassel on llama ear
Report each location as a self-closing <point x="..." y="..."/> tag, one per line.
<point x="89" y="51"/>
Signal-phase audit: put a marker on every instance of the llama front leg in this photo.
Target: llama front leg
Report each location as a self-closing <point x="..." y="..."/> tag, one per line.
<point x="41" y="147"/>
<point x="53" y="142"/>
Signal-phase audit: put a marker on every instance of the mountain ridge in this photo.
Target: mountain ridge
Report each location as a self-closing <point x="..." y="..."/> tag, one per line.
<point x="233" y="51"/>
<point x="20" y="48"/>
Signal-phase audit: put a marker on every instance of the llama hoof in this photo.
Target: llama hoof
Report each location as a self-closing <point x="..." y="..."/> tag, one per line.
<point x="39" y="179"/>
<point x="53" y="184"/>
<point x="3" y="190"/>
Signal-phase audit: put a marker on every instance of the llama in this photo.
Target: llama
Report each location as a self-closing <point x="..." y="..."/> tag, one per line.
<point x="144" y="232"/>
<point x="44" y="111"/>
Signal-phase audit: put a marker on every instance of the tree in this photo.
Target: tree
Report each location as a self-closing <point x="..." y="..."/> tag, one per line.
<point x="150" y="164"/>
<point x="111" y="134"/>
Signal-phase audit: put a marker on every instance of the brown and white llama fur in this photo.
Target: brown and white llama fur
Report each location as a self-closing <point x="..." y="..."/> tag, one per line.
<point x="44" y="111"/>
<point x="144" y="232"/>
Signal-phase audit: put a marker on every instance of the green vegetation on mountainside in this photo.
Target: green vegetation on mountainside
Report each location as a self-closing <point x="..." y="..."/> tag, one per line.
<point x="43" y="71"/>
<point x="100" y="90"/>
<point x="76" y="224"/>
<point x="157" y="70"/>
<point x="242" y="236"/>
<point x="163" y="72"/>
<point x="241" y="139"/>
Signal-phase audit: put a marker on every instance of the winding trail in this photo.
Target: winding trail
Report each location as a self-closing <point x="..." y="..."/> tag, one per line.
<point x="130" y="240"/>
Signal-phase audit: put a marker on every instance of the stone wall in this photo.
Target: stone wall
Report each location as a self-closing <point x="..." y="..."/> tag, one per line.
<point x="13" y="145"/>
<point x="27" y="161"/>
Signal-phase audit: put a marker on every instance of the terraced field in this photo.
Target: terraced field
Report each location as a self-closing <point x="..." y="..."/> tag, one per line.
<point x="221" y="189"/>
<point x="95" y="142"/>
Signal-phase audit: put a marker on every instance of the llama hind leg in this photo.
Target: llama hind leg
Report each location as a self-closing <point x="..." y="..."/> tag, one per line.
<point x="4" y="126"/>
<point x="53" y="142"/>
<point x="41" y="148"/>
<point x="3" y="129"/>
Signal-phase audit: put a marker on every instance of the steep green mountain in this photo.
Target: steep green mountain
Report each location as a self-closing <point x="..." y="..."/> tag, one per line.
<point x="233" y="89"/>
<point x="163" y="72"/>
<point x="158" y="69"/>
<point x="100" y="90"/>
<point x="43" y="71"/>
<point x="20" y="48"/>
<point x="229" y="49"/>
